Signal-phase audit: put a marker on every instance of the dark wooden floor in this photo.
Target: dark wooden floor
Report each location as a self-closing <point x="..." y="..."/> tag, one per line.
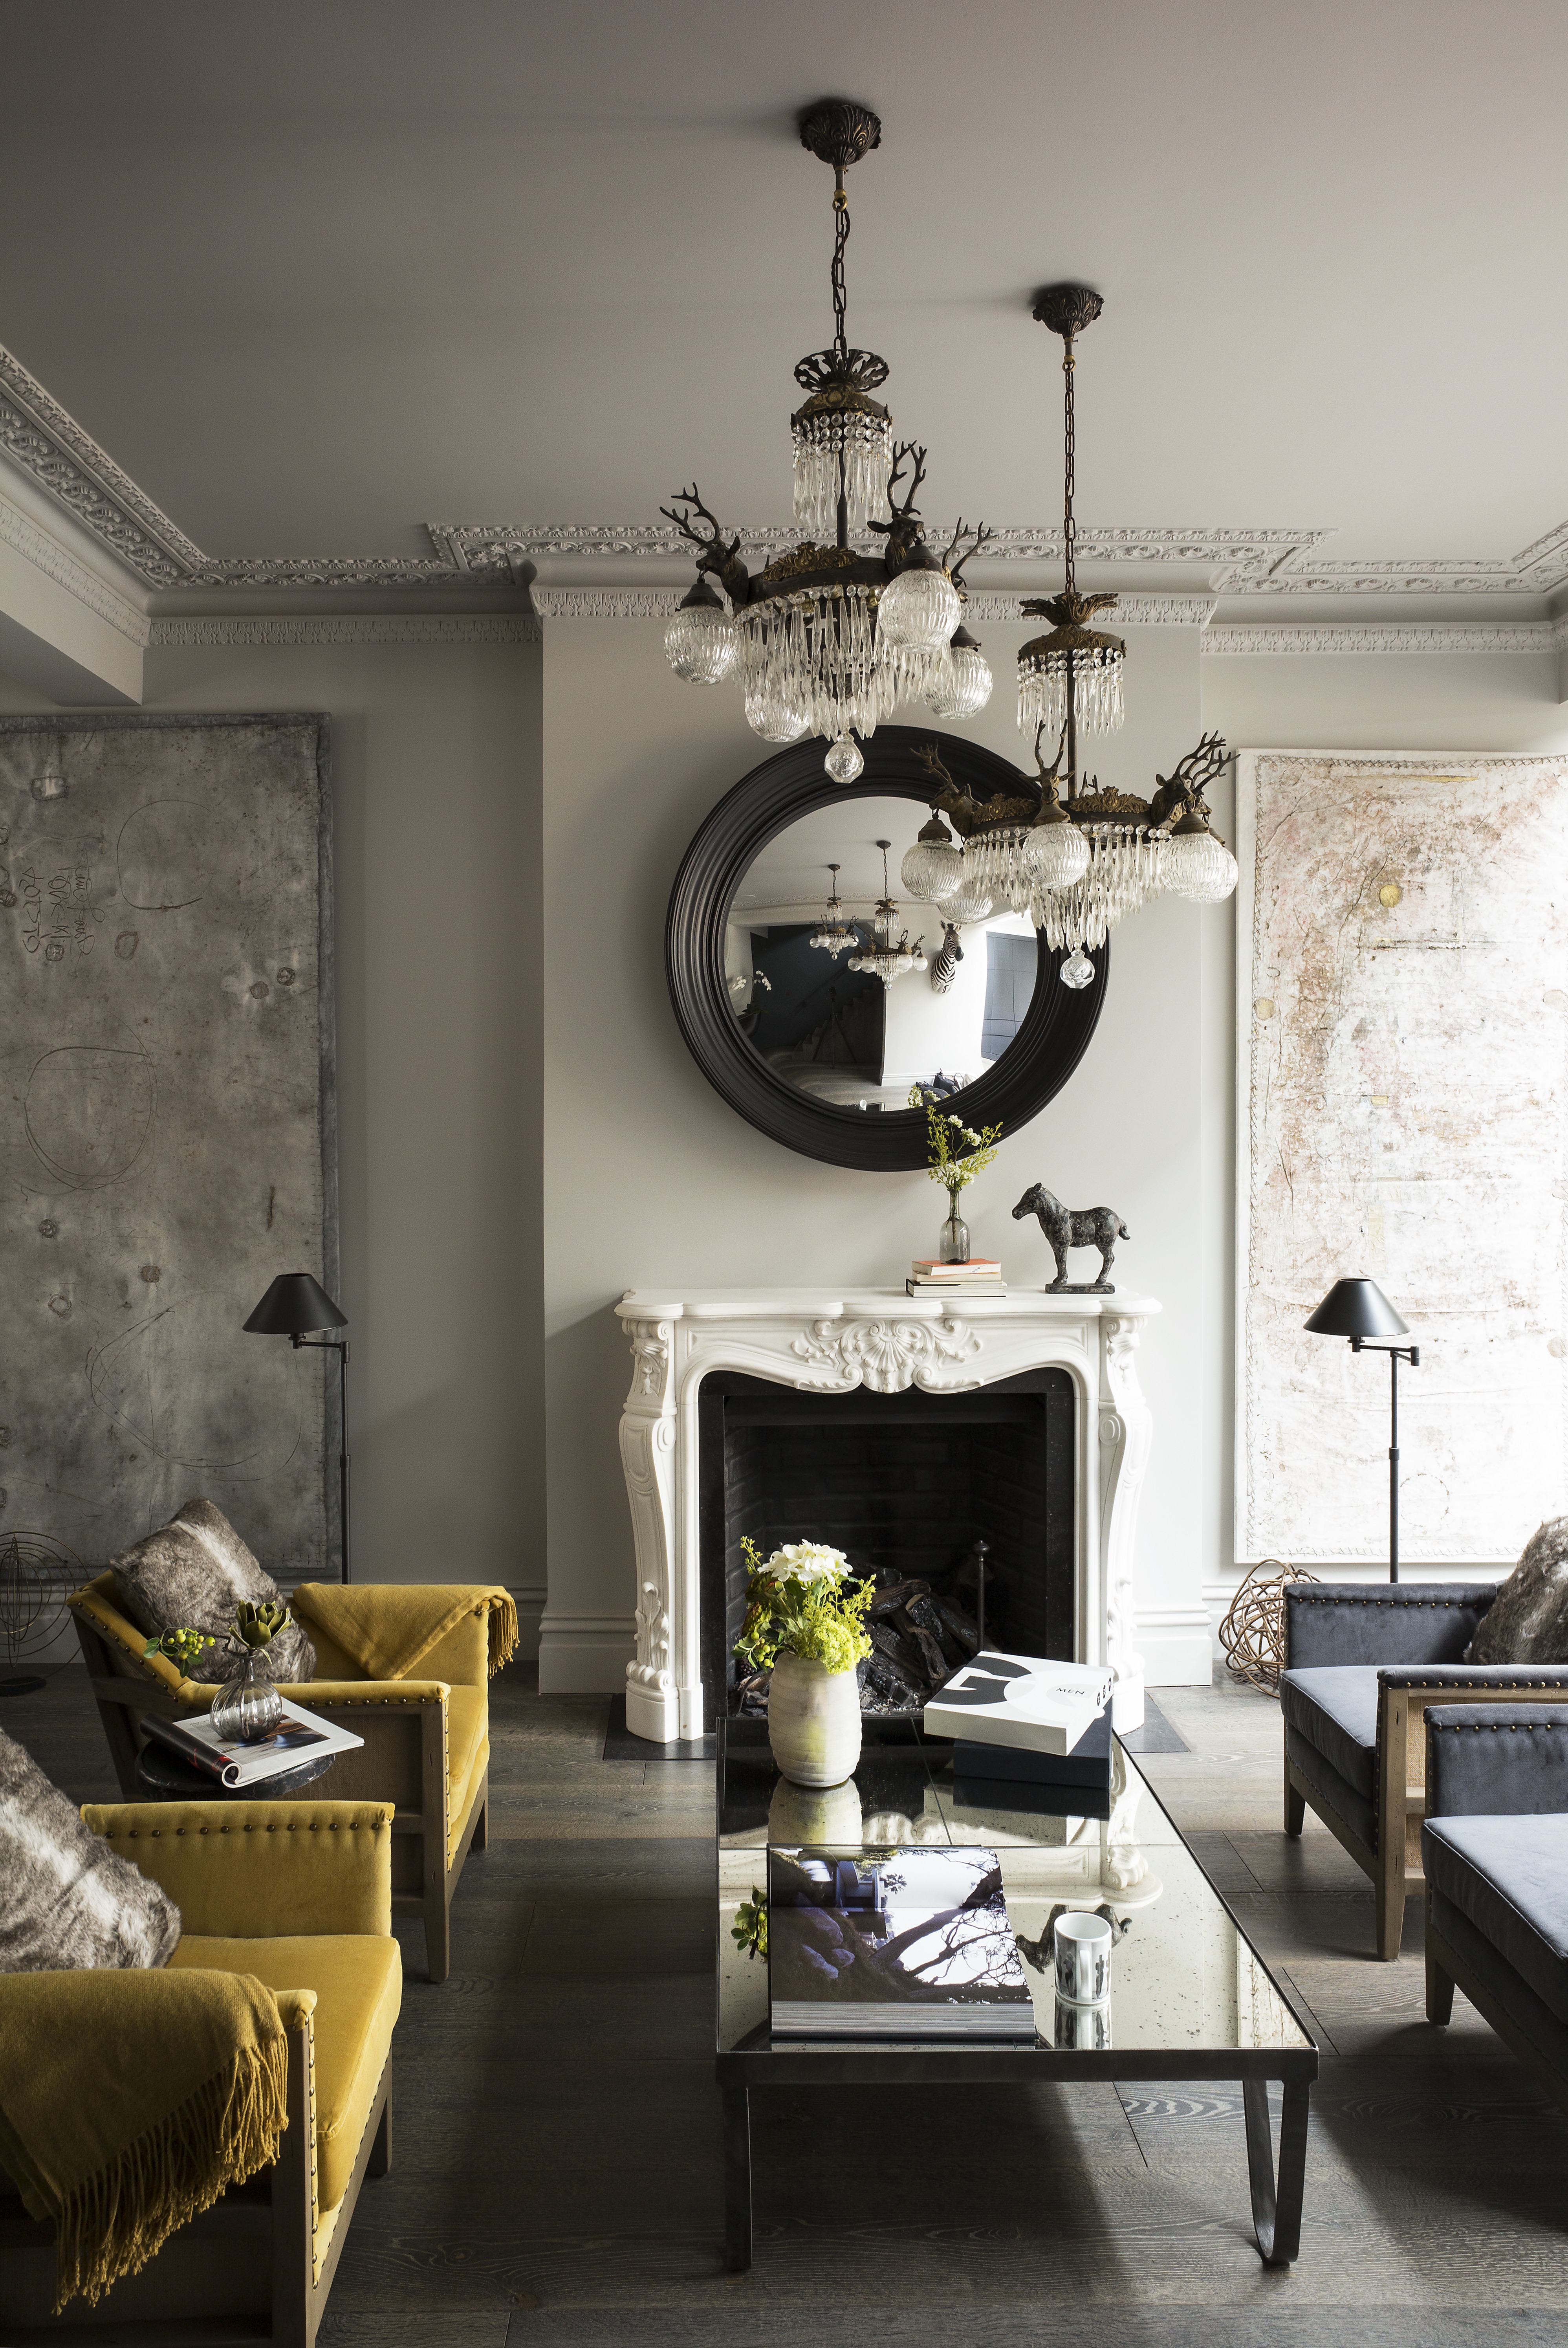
<point x="556" y="2179"/>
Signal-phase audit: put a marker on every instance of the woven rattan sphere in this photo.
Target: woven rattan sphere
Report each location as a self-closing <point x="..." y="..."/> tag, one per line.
<point x="1253" y="1632"/>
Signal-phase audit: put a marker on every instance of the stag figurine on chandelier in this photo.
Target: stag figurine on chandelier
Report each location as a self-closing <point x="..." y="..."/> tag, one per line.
<point x="1080" y="1227"/>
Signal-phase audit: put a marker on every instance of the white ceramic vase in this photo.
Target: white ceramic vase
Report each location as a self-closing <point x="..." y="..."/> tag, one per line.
<point x="814" y="1721"/>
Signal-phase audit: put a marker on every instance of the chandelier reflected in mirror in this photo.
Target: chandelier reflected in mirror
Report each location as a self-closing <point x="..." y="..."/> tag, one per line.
<point x="833" y="934"/>
<point x="883" y="958"/>
<point x="828" y="640"/>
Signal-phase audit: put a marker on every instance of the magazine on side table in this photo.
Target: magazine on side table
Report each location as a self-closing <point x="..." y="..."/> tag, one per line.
<point x="299" y="1735"/>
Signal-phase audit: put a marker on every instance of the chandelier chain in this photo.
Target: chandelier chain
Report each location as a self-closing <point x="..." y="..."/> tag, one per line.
<point x="1069" y="525"/>
<point x="840" y="239"/>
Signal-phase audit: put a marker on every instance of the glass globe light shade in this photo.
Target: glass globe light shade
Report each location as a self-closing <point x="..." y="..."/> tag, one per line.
<point x="1196" y="865"/>
<point x="701" y="642"/>
<point x="844" y="761"/>
<point x="934" y="867"/>
<point x="775" y="717"/>
<point x="918" y="612"/>
<point x="1057" y="855"/>
<point x="1077" y="970"/>
<point x="960" y="685"/>
<point x="967" y="905"/>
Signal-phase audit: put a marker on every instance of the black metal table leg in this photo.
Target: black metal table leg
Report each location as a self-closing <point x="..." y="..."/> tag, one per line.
<point x="1277" y="2206"/>
<point x="737" y="2178"/>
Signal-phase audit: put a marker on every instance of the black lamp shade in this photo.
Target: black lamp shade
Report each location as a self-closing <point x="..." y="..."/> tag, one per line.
<point x="1357" y="1308"/>
<point x="295" y="1305"/>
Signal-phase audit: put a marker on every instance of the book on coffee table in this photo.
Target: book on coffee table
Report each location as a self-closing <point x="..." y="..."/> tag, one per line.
<point x="1029" y="1701"/>
<point x="1086" y="1767"/>
<point x="299" y="1735"/>
<point x="913" y="1943"/>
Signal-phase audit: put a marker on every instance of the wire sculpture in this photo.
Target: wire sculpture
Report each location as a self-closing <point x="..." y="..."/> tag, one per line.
<point x="1253" y="1632"/>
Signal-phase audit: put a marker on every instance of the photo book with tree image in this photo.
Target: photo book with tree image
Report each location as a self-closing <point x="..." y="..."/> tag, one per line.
<point x="898" y="1944"/>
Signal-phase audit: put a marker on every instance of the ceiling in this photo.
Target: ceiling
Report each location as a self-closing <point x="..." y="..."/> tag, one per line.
<point x="319" y="272"/>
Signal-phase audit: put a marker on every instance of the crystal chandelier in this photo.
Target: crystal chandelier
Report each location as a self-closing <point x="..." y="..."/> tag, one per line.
<point x="833" y="934"/>
<point x="828" y="640"/>
<point x="1078" y="866"/>
<point x="882" y="959"/>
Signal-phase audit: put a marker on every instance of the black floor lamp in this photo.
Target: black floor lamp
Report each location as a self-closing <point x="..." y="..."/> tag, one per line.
<point x="1358" y="1309"/>
<point x="294" y="1307"/>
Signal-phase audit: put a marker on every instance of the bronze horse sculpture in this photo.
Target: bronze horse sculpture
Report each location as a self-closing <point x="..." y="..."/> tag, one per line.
<point x="1065" y="1227"/>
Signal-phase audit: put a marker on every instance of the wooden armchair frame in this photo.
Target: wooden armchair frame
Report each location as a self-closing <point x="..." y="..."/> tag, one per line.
<point x="403" y="1759"/>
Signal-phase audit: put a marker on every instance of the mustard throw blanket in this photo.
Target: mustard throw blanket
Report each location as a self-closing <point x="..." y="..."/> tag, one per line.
<point x="388" y="1627"/>
<point x="128" y="2101"/>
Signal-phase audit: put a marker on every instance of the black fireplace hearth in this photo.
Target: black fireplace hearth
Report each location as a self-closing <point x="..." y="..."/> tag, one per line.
<point x="906" y="1485"/>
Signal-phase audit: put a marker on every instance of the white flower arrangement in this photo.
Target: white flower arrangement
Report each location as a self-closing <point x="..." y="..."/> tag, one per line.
<point x="807" y="1562"/>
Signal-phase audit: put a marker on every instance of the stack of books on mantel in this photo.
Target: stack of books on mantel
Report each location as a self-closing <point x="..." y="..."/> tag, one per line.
<point x="980" y="1276"/>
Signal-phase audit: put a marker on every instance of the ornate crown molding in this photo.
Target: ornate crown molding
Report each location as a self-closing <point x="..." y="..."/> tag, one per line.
<point x="1510" y="636"/>
<point x="46" y="444"/>
<point x="321" y="571"/>
<point x="605" y="603"/>
<point x="395" y="628"/>
<point x="39" y="436"/>
<point x="495" y="550"/>
<point x="987" y="605"/>
<point x="658" y="602"/>
<point x="58" y="562"/>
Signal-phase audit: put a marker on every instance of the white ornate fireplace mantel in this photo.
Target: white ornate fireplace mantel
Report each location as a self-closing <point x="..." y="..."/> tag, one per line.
<point x="826" y="1343"/>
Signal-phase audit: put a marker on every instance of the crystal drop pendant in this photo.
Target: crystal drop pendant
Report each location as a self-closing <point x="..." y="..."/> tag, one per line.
<point x="844" y="761"/>
<point x="1077" y="970"/>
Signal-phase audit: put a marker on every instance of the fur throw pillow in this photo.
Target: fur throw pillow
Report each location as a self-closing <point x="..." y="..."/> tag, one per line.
<point x="67" y="1901"/>
<point x="191" y="1576"/>
<point x="1527" y="1622"/>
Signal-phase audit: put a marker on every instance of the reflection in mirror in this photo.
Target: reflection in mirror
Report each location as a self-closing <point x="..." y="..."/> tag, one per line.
<point x="812" y="928"/>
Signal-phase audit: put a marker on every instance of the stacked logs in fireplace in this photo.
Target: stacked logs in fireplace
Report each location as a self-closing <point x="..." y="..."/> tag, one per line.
<point x="922" y="1630"/>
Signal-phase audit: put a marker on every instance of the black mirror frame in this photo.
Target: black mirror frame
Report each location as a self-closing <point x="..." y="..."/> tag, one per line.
<point x="1044" y="1053"/>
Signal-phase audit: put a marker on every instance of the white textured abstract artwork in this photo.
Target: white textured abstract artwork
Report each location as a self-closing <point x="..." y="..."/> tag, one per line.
<point x="1402" y="1026"/>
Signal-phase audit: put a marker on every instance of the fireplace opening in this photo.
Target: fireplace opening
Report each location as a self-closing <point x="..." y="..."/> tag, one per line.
<point x="906" y="1486"/>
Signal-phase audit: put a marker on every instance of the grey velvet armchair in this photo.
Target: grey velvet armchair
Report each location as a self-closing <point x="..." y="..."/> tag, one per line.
<point x="1363" y="1667"/>
<point x="1495" y="1850"/>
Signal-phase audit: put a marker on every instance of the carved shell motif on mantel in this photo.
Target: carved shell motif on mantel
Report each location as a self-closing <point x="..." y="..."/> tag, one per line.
<point x="887" y="1355"/>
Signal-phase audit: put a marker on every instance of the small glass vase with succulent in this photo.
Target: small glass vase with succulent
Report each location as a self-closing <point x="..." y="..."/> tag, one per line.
<point x="806" y="1621"/>
<point x="955" y="1153"/>
<point x="248" y="1705"/>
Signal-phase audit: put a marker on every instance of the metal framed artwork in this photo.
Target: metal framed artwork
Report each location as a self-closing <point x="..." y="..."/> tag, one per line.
<point x="167" y="1130"/>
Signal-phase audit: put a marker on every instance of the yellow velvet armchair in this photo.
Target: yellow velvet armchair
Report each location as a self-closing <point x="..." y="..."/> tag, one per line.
<point x="299" y="1898"/>
<point x="426" y="1745"/>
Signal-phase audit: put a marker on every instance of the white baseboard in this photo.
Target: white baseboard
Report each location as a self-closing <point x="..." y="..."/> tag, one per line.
<point x="1174" y="1642"/>
<point x="585" y="1654"/>
<point x="530" y="1604"/>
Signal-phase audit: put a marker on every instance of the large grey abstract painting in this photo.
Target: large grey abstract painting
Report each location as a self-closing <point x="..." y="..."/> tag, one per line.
<point x="166" y="1129"/>
<point x="1402" y="1022"/>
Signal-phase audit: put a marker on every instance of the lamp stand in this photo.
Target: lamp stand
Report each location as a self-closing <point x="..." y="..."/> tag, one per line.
<point x="338" y="1345"/>
<point x="1397" y="1354"/>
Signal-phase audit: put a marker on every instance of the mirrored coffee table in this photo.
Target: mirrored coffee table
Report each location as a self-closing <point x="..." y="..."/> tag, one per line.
<point x="1191" y="1998"/>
